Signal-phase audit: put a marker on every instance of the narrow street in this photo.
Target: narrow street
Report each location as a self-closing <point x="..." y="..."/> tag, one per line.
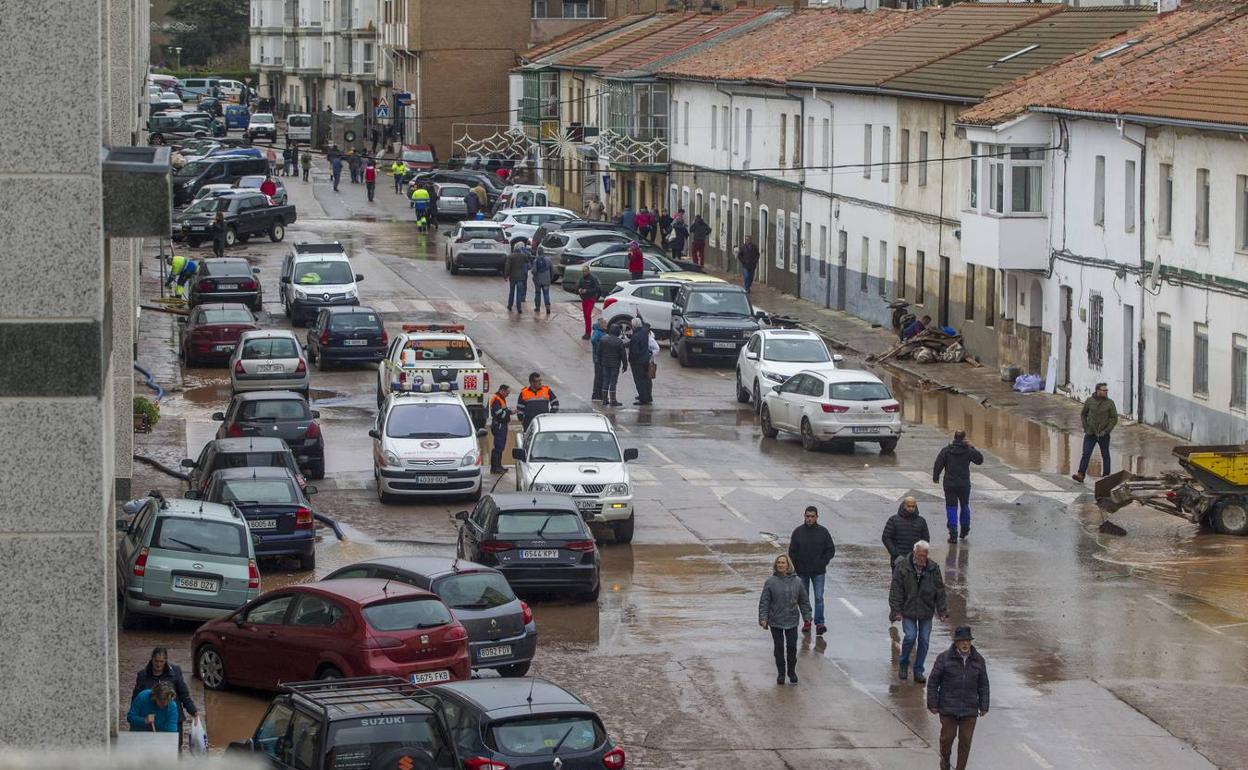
<point x="1104" y="652"/>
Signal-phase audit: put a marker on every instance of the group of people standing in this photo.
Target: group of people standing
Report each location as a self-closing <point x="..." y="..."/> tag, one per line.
<point x="520" y="264"/>
<point x="612" y="352"/>
<point x="291" y="159"/>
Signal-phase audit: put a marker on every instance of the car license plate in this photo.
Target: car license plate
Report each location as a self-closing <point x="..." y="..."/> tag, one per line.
<point x="263" y="523"/>
<point x="355" y="342"/>
<point x="199" y="227"/>
<point x="431" y="479"/>
<point x="866" y="430"/>
<point x="270" y="369"/>
<point x="586" y="505"/>
<point x="223" y="348"/>
<point x="194" y="583"/>
<point x="429" y="677"/>
<point x="723" y="344"/>
<point x="544" y="553"/>
<point x="482" y="245"/>
<point x="227" y="286"/>
<point x="501" y="651"/>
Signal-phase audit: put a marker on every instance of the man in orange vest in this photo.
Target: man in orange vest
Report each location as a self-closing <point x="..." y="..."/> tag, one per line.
<point x="536" y="399"/>
<point x="500" y="417"/>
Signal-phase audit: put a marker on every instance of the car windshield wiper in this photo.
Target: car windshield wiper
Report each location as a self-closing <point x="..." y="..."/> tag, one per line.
<point x="431" y="435"/>
<point x="593" y="458"/>
<point x="474" y="606"/>
<point x="542" y="529"/>
<point x="733" y="313"/>
<point x="429" y="625"/>
<point x="192" y="546"/>
<point x="559" y="745"/>
<point x="544" y="459"/>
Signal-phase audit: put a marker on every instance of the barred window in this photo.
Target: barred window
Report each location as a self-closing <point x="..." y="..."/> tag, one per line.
<point x="1096" y="330"/>
<point x="1239" y="372"/>
<point x="1200" y="360"/>
<point x="1163" y="349"/>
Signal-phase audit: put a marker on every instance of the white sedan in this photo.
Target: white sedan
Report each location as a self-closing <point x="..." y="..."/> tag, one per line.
<point x="772" y="356"/>
<point x="840" y="405"/>
<point x="521" y="223"/>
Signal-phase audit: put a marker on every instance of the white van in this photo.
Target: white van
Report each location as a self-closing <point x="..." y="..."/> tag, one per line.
<point x="317" y="275"/>
<point x="299" y="127"/>
<point x="231" y="90"/>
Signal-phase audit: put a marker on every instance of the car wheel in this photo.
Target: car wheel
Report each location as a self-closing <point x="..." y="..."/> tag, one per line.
<point x="321" y="363"/>
<point x="285" y="306"/>
<point x="383" y="497"/>
<point x="682" y="355"/>
<point x="888" y="446"/>
<point x="328" y="673"/>
<point x="231" y="236"/>
<point x="316" y="470"/>
<point x="514" y="670"/>
<point x="193" y="242"/>
<point x="624" y="529"/>
<point x="258" y="305"/>
<point x="769" y="430"/>
<point x="454" y="267"/>
<point x="307" y="562"/>
<point x="590" y="596"/>
<point x="1231" y="518"/>
<point x="156" y="139"/>
<point x="129" y="620"/>
<point x="623" y="320"/>
<point x="210" y="667"/>
<point x="743" y="395"/>
<point x="671" y="349"/>
<point x="277" y="232"/>
<point x="474" y="496"/>
<point x="758" y="398"/>
<point x="809" y="442"/>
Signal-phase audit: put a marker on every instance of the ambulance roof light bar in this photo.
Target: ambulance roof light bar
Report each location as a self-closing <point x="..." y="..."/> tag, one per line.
<point x="444" y="328"/>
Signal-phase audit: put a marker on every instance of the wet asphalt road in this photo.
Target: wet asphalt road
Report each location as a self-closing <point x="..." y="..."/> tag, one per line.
<point x="1103" y="653"/>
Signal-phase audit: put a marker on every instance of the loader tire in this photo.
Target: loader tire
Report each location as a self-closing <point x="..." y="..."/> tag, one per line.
<point x="1231" y="517"/>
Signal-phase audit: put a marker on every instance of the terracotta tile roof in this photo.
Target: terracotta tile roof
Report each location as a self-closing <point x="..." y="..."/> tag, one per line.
<point x="975" y="71"/>
<point x="608" y="43"/>
<point x="581" y="34"/>
<point x="939" y="32"/>
<point x="1172" y="51"/>
<point x="1219" y="96"/>
<point x="781" y="49"/>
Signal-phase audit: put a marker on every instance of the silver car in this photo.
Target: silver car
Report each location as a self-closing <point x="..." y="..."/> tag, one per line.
<point x="451" y="200"/>
<point x="254" y="181"/>
<point x="184" y="559"/>
<point x="269" y="359"/>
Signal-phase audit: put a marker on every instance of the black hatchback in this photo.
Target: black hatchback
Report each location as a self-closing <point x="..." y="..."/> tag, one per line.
<point x="538" y="540"/>
<point x="277" y="510"/>
<point x="347" y="334"/>
<point x="227" y="279"/>
<point x="526" y="724"/>
<point x="282" y="414"/>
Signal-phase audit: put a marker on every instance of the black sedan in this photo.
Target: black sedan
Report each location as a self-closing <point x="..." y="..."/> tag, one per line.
<point x="501" y="632"/>
<point x="346" y="334"/>
<point x="526" y="724"/>
<point x="226" y="279"/>
<point x="277" y="510"/>
<point x="537" y="540"/>
<point x="280" y="414"/>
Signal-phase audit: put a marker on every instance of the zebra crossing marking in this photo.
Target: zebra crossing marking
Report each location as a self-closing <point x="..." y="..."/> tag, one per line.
<point x="1036" y="483"/>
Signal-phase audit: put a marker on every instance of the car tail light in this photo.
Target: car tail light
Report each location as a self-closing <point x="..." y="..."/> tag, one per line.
<point x="526" y="612"/>
<point x="614" y="759"/>
<point x="140" y="564"/>
<point x="314" y="431"/>
<point x="481" y="763"/>
<point x="892" y="408"/>
<point x="302" y="367"/>
<point x="382" y="643"/>
<point x="205" y="286"/>
<point x="608" y="302"/>
<point x="253" y="574"/>
<point x="234" y="430"/>
<point x="495" y="546"/>
<point x="833" y="408"/>
<point x="500" y="237"/>
<point x="456" y="633"/>
<point x="247" y="286"/>
<point x="580" y="545"/>
<point x="461" y="239"/>
<point x="303" y="518"/>
<point x="485" y="380"/>
<point x="325" y="337"/>
<point x="238" y="367"/>
<point x="385" y="338"/>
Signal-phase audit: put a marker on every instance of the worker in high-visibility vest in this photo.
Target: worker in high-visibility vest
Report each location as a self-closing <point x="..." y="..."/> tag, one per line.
<point x="536" y="399"/>
<point x="399" y="169"/>
<point x="181" y="269"/>
<point x="500" y="417"/>
<point x="420" y="202"/>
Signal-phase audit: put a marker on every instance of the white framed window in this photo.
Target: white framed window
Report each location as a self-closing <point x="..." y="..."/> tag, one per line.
<point x="808" y="155"/>
<point x="749" y="137"/>
<point x="1239" y="372"/>
<point x="973" y="197"/>
<point x="1241" y="212"/>
<point x="714" y="125"/>
<point x="1015" y="178"/>
<point x="697" y="206"/>
<point x="764" y="234"/>
<point x="920" y="277"/>
<point x="823" y="244"/>
<point x="784" y="138"/>
<point x="747" y="222"/>
<point x="1202" y="205"/>
<point x="1129" y="193"/>
<point x="1165" y="198"/>
<point x="899" y="280"/>
<point x="686" y="142"/>
<point x="807" y="243"/>
<point x="779" y="238"/>
<point x="886" y="151"/>
<point x="1096" y="330"/>
<point x="866" y="151"/>
<point x="736" y="222"/>
<point x="736" y="130"/>
<point x="1200" y="360"/>
<point x="1163" y="350"/>
<point x="826" y="144"/>
<point x="797" y="141"/>
<point x="723" y="126"/>
<point x="710" y="221"/>
<point x="968" y="303"/>
<point x="1098" y="193"/>
<point x="795" y="242"/>
<point x="723" y="224"/>
<point x="922" y="158"/>
<point x="903" y="155"/>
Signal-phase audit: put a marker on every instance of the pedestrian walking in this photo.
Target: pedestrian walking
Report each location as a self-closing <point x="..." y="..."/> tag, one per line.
<point x="356" y="160"/>
<point x="1099" y="417"/>
<point x="595" y="210"/>
<point x="902" y="530"/>
<point x="782" y="604"/>
<point x="636" y="261"/>
<point x="483" y="197"/>
<point x="600" y="330"/>
<point x="698" y="233"/>
<point x="517" y="269"/>
<point x="589" y="290"/>
<point x="433" y="201"/>
<point x="627" y="218"/>
<point x="747" y="255"/>
<point x="639" y="358"/>
<point x="159" y="669"/>
<point x="218" y="229"/>
<point x="645" y="224"/>
<point x="665" y="225"/>
<point x="541" y="282"/>
<point x="154" y="710"/>
<point x="535" y="399"/>
<point x="398" y="169"/>
<point x="335" y="169"/>
<point x="916" y="594"/>
<point x="955" y="462"/>
<point x="376" y="137"/>
<point x="680" y="234"/>
<point x="811" y="549"/>
<point x="305" y="160"/>
<point x="500" y="419"/>
<point x="957" y="692"/>
<point x="613" y="356"/>
<point x="370" y="176"/>
<point x="472" y="204"/>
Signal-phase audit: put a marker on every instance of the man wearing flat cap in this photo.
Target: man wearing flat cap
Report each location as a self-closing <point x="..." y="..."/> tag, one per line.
<point x="957" y="692"/>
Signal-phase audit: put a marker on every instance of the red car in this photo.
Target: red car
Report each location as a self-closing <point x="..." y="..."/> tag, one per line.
<point x="211" y="331"/>
<point x="329" y="630"/>
<point x="419" y="157"/>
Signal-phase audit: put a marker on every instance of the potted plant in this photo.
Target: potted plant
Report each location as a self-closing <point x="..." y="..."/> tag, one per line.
<point x="146" y="414"/>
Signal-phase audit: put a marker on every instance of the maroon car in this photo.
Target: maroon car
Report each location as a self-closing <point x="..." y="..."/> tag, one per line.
<point x="211" y="332"/>
<point x="330" y="630"/>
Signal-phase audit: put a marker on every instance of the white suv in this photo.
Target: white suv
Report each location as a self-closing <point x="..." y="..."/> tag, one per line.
<point x="772" y="356"/>
<point x="425" y="444"/>
<point x="579" y="455"/>
<point x="521" y="223"/>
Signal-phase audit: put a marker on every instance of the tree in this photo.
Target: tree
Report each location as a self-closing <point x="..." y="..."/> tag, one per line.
<point x="213" y="28"/>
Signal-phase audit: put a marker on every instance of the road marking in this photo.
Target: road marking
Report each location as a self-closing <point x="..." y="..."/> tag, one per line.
<point x="857" y="612"/>
<point x="384" y="306"/>
<point x="832" y="493"/>
<point x="691" y="474"/>
<point x="1035" y="482"/>
<point x="460" y="307"/>
<point x="733" y="511"/>
<point x="1186" y="616"/>
<point x="662" y="456"/>
<point x="775" y="493"/>
<point x="980" y="480"/>
<point x="1039" y="760"/>
<point x="558" y="381"/>
<point x="919" y="477"/>
<point x="640" y="474"/>
<point x="771" y="539"/>
<point x="1231" y="625"/>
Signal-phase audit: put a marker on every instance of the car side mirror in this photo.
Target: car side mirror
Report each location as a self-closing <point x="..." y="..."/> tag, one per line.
<point x="218" y="416"/>
<point x="837" y="358"/>
<point x="630" y="454"/>
<point x="481" y="432"/>
<point x="192" y="494"/>
<point x="461" y="515"/>
<point x="751" y="355"/>
<point x="775" y="388"/>
<point x="122" y="524"/>
<point x="373" y="433"/>
<point x="241" y="747"/>
<point x="238" y="620"/>
<point x="181" y="319"/>
<point x="188" y="463"/>
<point x="316" y="415"/>
<point x="255" y="271"/>
<point x="359" y="277"/>
<point x="285" y="279"/>
<point x="518" y="454"/>
<point x="760" y="315"/>
<point x="309" y="490"/>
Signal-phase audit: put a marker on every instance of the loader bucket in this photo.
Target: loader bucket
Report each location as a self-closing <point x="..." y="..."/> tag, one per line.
<point x="1112" y="492"/>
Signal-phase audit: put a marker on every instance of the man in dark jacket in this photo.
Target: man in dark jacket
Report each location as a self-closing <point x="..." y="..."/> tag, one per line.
<point x="680" y="234"/>
<point x="612" y="356"/>
<point x="957" y="692"/>
<point x="810" y="550"/>
<point x="595" y="337"/>
<point x="902" y="530"/>
<point x="955" y="462"/>
<point x="516" y="269"/>
<point x="698" y="233"/>
<point x="747" y="255"/>
<point x="1099" y="417"/>
<point x="639" y="358"/>
<point x="916" y="594"/>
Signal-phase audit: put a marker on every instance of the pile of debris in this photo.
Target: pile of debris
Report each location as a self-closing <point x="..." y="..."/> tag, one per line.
<point x="929" y="346"/>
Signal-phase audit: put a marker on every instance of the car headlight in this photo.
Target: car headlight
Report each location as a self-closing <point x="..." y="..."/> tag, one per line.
<point x="699" y="332"/>
<point x="351" y="293"/>
<point x="469" y="459"/>
<point x="543" y="488"/>
<point x="616" y="490"/>
<point x="391" y="459"/>
<point x="300" y="294"/>
<point x="772" y="375"/>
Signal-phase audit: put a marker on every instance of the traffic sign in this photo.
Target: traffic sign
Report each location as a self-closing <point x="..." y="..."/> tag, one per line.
<point x="381" y="112"/>
<point x="402" y="98"/>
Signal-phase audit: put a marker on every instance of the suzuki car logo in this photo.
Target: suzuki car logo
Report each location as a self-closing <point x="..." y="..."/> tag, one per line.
<point x="429" y="445"/>
<point x="406" y="763"/>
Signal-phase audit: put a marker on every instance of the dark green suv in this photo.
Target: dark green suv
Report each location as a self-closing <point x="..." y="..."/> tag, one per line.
<point x="163" y="129"/>
<point x="711" y="321"/>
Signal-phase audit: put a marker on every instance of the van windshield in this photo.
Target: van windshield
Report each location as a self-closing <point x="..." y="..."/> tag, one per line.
<point x="300" y="121"/>
<point x="197" y="535"/>
<point x="323" y="273"/>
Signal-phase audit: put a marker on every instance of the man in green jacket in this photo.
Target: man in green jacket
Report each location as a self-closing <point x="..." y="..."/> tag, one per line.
<point x="1099" y="417"/>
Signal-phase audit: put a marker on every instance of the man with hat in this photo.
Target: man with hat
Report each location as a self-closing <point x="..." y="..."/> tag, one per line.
<point x="957" y="692"/>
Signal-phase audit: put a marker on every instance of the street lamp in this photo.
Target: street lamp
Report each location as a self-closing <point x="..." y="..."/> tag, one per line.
<point x="177" y="50"/>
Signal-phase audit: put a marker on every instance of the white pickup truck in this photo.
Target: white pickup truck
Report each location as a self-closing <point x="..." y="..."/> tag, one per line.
<point x="436" y="357"/>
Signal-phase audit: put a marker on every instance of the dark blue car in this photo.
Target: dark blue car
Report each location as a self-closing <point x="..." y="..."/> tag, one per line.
<point x="277" y="511"/>
<point x="347" y="334"/>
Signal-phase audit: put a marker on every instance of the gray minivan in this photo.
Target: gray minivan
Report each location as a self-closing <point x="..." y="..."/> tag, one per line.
<point x="197" y="86"/>
<point x="214" y="169"/>
<point x="185" y="559"/>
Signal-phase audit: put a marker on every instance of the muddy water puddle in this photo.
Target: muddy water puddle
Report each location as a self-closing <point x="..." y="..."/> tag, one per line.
<point x="386" y="235"/>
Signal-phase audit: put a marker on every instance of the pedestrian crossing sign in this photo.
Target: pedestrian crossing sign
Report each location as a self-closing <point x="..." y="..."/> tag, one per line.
<point x="382" y="110"/>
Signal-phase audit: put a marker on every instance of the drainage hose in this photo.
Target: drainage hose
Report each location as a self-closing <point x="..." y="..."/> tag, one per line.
<point x="151" y="383"/>
<point x="330" y="523"/>
<point x="162" y="467"/>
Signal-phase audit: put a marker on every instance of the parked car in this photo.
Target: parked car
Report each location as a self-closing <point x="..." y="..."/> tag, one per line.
<point x="451" y="200"/>
<point x="261" y="124"/>
<point x="530" y="724"/>
<point x="211" y="330"/>
<point x="522" y="195"/>
<point x="477" y="246"/>
<point x="349" y="334"/>
<point x="270" y="359"/>
<point x="276" y="508"/>
<point x="538" y="540"/>
<point x="216" y="128"/>
<point x="169" y="100"/>
<point x="711" y="321"/>
<point x="649" y="299"/>
<point x="198" y="86"/>
<point x="419" y="157"/>
<point x="298" y="127"/>
<point x="424" y="444"/>
<point x="226" y="279"/>
<point x="465" y="178"/>
<point x="249" y="452"/>
<point x="648" y="249"/>
<point x="246" y="214"/>
<point x="501" y="632"/>
<point x="519" y="224"/>
<point x="280" y="414"/>
<point x="279" y="198"/>
<point x="315" y="276"/>
<point x="225" y="166"/>
<point x="330" y="630"/>
<point x="568" y="225"/>
<point x="567" y="251"/>
<point x="212" y="106"/>
<point x="772" y="356"/>
<point x="184" y="559"/>
<point x="833" y="405"/>
<point x="166" y="129"/>
<point x="613" y="268"/>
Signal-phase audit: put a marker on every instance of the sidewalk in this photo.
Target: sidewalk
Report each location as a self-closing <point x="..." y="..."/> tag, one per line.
<point x="1037" y="430"/>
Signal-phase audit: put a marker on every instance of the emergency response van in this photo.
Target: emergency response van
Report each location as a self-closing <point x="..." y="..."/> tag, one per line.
<point x="427" y="358"/>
